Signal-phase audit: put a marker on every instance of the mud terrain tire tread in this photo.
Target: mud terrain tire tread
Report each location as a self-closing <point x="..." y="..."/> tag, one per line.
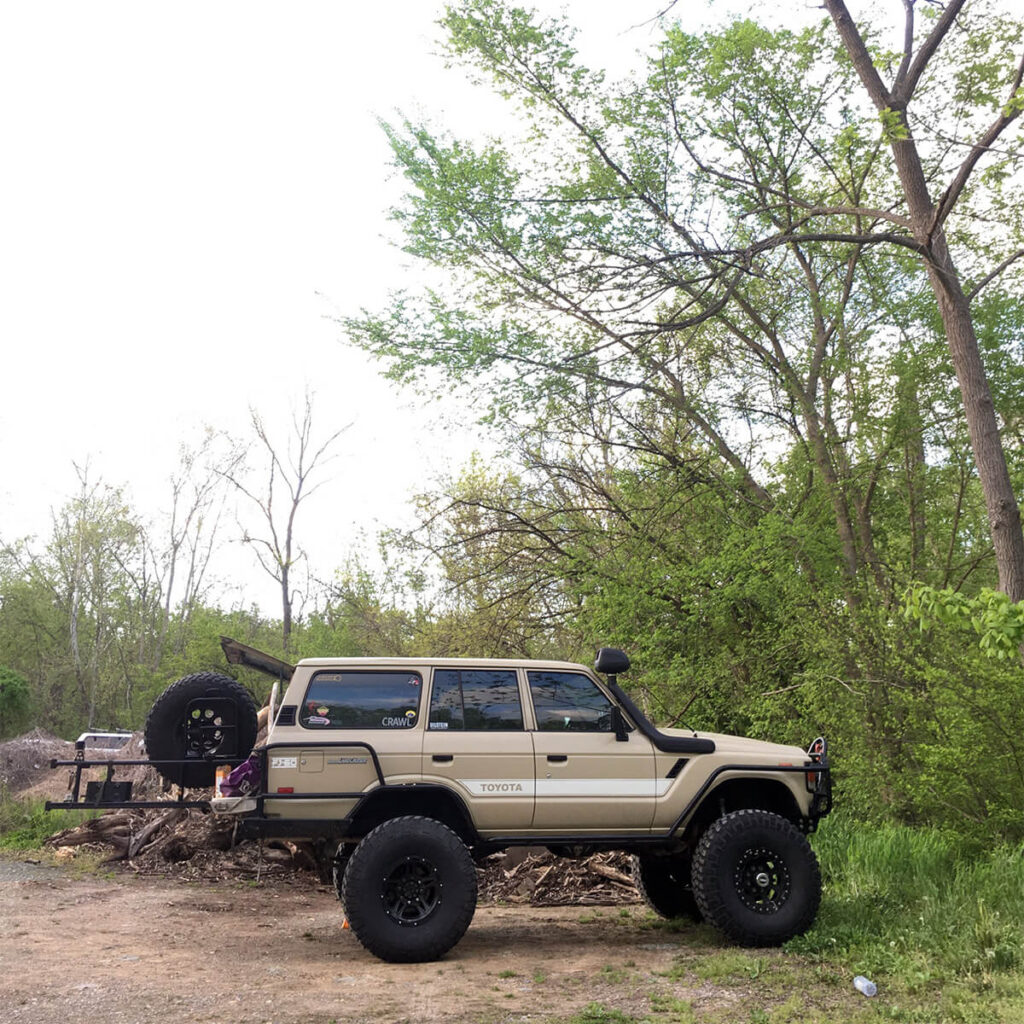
<point x="664" y="883"/>
<point x="165" y="726"/>
<point x="381" y="854"/>
<point x="719" y="859"/>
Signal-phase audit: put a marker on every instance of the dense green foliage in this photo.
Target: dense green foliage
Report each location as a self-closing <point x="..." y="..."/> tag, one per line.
<point x="697" y="310"/>
<point x="15" y="703"/>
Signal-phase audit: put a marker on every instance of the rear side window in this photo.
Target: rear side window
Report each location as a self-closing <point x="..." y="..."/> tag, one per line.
<point x="475" y="699"/>
<point x="569" y="702"/>
<point x="362" y="700"/>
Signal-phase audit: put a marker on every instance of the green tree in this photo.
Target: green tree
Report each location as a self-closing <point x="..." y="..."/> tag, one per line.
<point x="15" y="703"/>
<point x="722" y="241"/>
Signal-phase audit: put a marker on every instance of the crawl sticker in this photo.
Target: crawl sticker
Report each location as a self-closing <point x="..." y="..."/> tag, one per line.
<point x="393" y="722"/>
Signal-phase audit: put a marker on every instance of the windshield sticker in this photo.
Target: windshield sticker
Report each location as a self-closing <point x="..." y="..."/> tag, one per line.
<point x="322" y="711"/>
<point x="438" y="725"/>
<point x="414" y="681"/>
<point x="317" y="720"/>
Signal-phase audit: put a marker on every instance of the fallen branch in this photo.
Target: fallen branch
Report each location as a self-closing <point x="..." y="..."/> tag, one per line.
<point x="610" y="873"/>
<point x="150" y="830"/>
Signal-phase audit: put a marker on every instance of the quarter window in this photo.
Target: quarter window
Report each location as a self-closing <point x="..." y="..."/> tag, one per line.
<point x="475" y="699"/>
<point x="362" y="700"/>
<point x="569" y="702"/>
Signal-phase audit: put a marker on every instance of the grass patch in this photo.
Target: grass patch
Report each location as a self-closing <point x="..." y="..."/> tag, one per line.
<point x="919" y="905"/>
<point x="728" y="964"/>
<point x="597" y="1013"/>
<point x="936" y="921"/>
<point x="679" y="1011"/>
<point x="26" y="825"/>
<point x="614" y="974"/>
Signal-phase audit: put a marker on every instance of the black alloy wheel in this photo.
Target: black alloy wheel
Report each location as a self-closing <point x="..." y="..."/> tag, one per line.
<point x="412" y="891"/>
<point x="762" y="880"/>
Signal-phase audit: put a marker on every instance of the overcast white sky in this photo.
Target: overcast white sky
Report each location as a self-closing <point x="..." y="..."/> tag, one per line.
<point x="188" y="192"/>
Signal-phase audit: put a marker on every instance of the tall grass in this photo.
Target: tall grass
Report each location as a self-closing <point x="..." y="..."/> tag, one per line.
<point x="917" y="903"/>
<point x="25" y="825"/>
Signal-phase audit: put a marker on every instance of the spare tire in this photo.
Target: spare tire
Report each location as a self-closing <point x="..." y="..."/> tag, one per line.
<point x="202" y="720"/>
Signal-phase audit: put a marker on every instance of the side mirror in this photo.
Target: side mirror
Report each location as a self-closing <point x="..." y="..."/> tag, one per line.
<point x="619" y="724"/>
<point x="611" y="661"/>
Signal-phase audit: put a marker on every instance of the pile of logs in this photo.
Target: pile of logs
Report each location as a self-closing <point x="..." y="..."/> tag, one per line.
<point x="544" y="880"/>
<point x="193" y="845"/>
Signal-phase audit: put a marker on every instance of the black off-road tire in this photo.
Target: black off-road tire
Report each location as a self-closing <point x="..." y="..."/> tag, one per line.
<point x="337" y="865"/>
<point x="410" y="890"/>
<point x="756" y="878"/>
<point x="168" y="733"/>
<point x="665" y="883"/>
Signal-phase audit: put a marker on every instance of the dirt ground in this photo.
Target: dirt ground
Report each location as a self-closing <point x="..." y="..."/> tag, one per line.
<point x="152" y="950"/>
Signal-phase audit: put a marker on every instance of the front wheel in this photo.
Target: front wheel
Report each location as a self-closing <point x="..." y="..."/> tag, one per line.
<point x="756" y="878"/>
<point x="410" y="890"/>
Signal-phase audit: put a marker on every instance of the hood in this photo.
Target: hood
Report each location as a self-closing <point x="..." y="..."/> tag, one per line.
<point x="725" y="743"/>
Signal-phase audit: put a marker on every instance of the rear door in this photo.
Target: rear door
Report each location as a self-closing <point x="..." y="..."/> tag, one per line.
<point x="586" y="778"/>
<point x="344" y="713"/>
<point x="476" y="743"/>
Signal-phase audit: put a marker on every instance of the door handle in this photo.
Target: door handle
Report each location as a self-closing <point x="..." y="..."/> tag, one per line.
<point x="442" y="758"/>
<point x="558" y="758"/>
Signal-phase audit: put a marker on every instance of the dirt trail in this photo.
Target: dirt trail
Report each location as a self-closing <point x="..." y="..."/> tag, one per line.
<point x="152" y="950"/>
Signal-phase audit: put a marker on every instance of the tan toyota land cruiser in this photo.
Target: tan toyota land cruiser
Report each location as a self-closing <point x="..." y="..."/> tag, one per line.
<point x="406" y="770"/>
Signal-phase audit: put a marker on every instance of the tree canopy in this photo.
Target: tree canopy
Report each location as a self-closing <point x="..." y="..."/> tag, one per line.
<point x="757" y="378"/>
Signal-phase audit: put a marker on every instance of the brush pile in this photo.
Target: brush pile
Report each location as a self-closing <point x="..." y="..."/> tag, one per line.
<point x="192" y="845"/>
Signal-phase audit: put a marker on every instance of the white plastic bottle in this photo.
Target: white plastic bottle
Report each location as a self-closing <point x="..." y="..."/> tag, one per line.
<point x="864" y="985"/>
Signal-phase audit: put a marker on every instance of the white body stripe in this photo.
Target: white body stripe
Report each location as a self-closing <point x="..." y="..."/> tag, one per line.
<point x="647" y="788"/>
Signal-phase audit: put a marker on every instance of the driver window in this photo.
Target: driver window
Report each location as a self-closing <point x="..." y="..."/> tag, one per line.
<point x="569" y="702"/>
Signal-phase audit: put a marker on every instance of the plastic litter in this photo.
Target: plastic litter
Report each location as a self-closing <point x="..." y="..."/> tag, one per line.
<point x="864" y="985"/>
<point x="244" y="779"/>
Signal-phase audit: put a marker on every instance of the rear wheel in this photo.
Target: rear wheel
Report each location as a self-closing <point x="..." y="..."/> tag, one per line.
<point x="410" y="890"/>
<point x="664" y="882"/>
<point x="756" y="878"/>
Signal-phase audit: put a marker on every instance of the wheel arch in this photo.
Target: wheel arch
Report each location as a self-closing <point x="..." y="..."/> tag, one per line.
<point x="424" y="801"/>
<point x="739" y="794"/>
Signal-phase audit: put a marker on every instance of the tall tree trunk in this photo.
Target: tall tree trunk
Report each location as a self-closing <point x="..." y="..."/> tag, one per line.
<point x="954" y="307"/>
<point x="986" y="443"/>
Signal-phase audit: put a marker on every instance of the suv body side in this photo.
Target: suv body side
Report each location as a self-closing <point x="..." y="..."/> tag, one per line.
<point x="508" y="779"/>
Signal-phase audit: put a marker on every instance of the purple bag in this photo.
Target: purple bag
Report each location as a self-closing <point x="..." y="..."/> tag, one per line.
<point x="244" y="779"/>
